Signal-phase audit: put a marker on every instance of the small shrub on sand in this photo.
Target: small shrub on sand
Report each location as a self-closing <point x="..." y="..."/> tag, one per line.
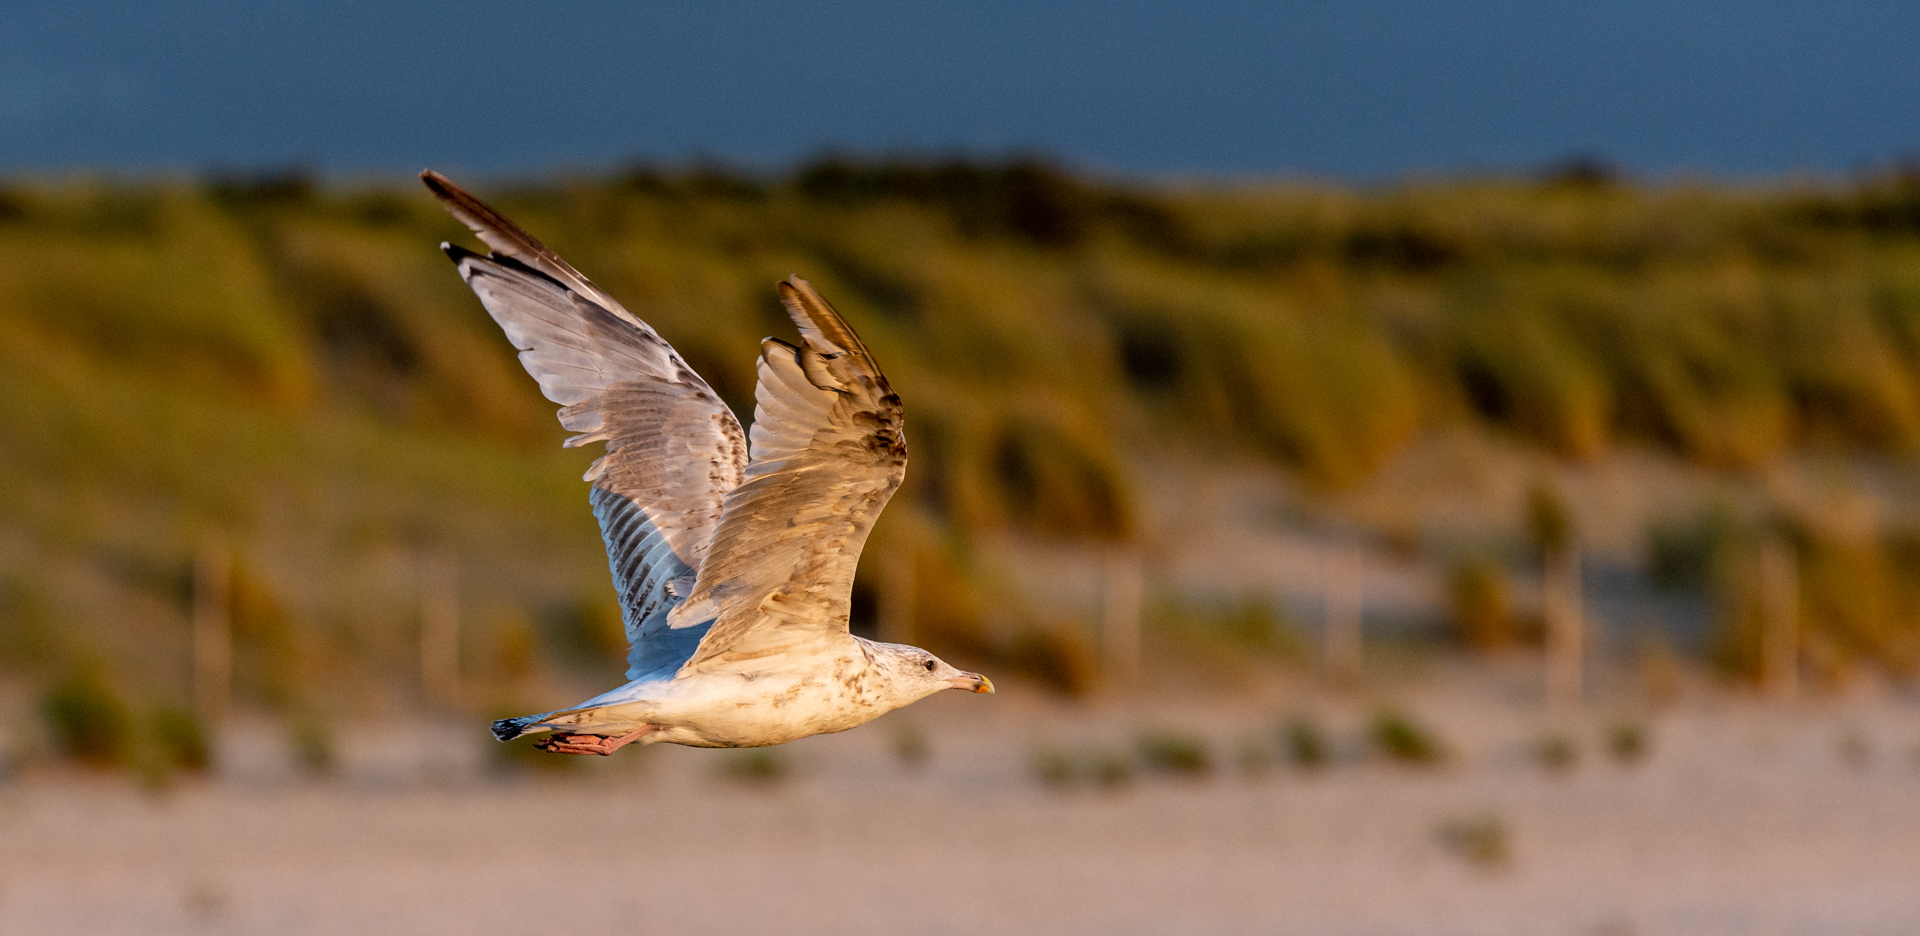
<point x="88" y="722"/>
<point x="1628" y="742"/>
<point x="1306" y="743"/>
<point x="1064" y="770"/>
<point x="1175" y="753"/>
<point x="1556" y="752"/>
<point x="179" y="743"/>
<point x="1482" y="842"/>
<point x="1404" y="740"/>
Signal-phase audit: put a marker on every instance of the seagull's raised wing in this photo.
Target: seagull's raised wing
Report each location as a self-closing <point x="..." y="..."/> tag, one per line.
<point x="828" y="451"/>
<point x="673" y="449"/>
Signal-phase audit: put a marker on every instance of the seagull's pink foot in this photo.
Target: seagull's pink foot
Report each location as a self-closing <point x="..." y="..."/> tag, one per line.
<point x="602" y="745"/>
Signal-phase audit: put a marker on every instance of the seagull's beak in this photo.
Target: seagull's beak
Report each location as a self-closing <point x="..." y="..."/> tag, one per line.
<point x="972" y="682"/>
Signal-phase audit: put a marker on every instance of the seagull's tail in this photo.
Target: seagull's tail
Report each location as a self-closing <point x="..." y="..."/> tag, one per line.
<point x="507" y="729"/>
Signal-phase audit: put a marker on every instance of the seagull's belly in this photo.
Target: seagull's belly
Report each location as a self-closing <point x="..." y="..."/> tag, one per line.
<point x="729" y="710"/>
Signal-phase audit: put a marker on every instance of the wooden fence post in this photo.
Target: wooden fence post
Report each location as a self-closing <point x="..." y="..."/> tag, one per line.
<point x="1565" y="625"/>
<point x="1779" y="618"/>
<point x="439" y="624"/>
<point x="212" y="619"/>
<point x="1122" y="586"/>
<point x="1341" y="590"/>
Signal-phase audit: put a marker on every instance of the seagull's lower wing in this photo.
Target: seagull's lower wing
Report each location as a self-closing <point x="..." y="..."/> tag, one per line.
<point x="828" y="450"/>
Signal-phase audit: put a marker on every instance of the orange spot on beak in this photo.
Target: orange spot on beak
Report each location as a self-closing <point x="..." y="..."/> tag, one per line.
<point x="972" y="682"/>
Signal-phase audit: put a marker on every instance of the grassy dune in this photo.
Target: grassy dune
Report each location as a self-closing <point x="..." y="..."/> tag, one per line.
<point x="291" y="369"/>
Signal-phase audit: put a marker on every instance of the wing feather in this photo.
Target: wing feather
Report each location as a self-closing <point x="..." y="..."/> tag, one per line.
<point x="828" y="451"/>
<point x="674" y="450"/>
<point x="507" y="239"/>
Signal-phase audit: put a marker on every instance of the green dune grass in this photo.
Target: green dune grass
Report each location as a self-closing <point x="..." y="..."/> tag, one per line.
<point x="292" y="369"/>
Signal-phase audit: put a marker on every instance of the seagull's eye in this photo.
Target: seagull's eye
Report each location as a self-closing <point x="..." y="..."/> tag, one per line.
<point x="929" y="666"/>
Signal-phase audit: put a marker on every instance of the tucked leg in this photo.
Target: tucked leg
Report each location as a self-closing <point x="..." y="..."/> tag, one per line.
<point x="590" y="743"/>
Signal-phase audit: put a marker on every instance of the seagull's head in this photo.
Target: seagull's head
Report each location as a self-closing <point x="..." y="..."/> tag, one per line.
<point x="918" y="674"/>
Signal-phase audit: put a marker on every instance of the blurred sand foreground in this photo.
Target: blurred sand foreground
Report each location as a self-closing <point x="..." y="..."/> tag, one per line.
<point x="1745" y="817"/>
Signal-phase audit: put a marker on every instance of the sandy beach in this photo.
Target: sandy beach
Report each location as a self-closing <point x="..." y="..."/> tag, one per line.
<point x="1744" y="817"/>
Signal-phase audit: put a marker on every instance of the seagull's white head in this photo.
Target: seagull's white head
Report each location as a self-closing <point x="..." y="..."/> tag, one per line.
<point x="916" y="674"/>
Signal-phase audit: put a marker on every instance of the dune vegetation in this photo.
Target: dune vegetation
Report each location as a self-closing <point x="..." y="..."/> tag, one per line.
<point x="288" y="369"/>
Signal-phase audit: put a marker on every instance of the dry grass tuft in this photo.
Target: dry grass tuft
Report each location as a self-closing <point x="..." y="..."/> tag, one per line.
<point x="1403" y="740"/>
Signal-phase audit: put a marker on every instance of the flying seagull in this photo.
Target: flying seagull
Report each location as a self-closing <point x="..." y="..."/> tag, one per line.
<point x="733" y="554"/>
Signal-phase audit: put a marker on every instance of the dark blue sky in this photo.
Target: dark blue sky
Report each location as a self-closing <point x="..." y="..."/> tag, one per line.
<point x="1355" y="89"/>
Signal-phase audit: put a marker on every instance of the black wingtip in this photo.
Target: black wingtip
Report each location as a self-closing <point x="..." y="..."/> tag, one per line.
<point x="457" y="254"/>
<point x="507" y="729"/>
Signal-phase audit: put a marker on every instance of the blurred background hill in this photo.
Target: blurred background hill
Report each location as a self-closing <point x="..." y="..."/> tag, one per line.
<point x="283" y="372"/>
